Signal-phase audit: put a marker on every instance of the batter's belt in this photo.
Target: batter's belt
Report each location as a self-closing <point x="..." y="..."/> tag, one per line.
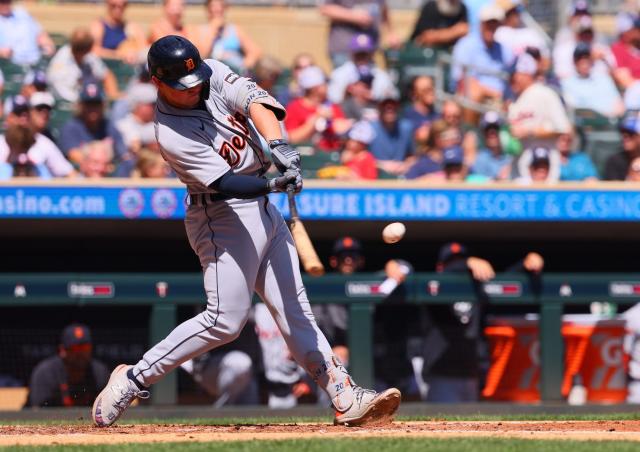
<point x="202" y="199"/>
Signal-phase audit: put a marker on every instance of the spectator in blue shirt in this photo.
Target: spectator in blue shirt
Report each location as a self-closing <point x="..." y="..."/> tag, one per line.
<point x="429" y="162"/>
<point x="393" y="142"/>
<point x="478" y="59"/>
<point x="574" y="165"/>
<point x="491" y="161"/>
<point x="421" y="112"/>
<point x="21" y="37"/>
<point x="591" y="90"/>
<point x="89" y="125"/>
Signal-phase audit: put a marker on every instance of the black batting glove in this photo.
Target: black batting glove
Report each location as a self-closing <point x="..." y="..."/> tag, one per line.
<point x="290" y="177"/>
<point x="284" y="156"/>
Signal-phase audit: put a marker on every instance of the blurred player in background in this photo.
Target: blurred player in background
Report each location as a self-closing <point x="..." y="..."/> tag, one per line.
<point x="286" y="381"/>
<point x="453" y="346"/>
<point x="70" y="378"/>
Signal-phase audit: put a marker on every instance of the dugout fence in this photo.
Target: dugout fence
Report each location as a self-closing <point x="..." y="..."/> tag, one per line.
<point x="158" y="296"/>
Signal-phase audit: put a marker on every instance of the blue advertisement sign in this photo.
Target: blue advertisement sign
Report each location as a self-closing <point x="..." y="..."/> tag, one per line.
<point x="356" y="204"/>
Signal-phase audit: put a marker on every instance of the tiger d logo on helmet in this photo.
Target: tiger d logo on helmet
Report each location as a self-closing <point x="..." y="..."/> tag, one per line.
<point x="176" y="62"/>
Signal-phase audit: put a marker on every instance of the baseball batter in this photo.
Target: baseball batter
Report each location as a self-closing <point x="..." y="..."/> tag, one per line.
<point x="209" y="121"/>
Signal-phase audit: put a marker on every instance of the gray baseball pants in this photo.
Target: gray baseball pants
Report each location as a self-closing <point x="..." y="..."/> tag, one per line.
<point x="243" y="246"/>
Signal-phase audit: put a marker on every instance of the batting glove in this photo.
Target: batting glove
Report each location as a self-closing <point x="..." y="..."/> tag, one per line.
<point x="284" y="155"/>
<point x="290" y="177"/>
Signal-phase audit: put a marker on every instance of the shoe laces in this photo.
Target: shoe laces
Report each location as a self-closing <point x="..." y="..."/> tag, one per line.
<point x="359" y="393"/>
<point x="127" y="393"/>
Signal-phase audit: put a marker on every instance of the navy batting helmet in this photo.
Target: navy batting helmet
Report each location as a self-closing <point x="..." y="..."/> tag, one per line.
<point x="176" y="62"/>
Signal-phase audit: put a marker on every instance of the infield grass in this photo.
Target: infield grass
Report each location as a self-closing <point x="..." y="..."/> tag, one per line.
<point x="356" y="445"/>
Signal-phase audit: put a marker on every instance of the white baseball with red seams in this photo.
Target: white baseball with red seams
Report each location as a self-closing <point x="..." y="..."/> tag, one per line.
<point x="393" y="232"/>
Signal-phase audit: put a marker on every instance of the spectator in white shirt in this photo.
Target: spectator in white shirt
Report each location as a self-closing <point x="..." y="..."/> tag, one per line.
<point x="604" y="61"/>
<point x="537" y="115"/>
<point x="74" y="65"/>
<point x="517" y="37"/>
<point x="362" y="50"/>
<point x="137" y="128"/>
<point x="43" y="151"/>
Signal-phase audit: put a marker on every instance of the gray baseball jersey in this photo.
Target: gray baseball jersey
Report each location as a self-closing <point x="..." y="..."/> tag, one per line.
<point x="243" y="245"/>
<point x="202" y="145"/>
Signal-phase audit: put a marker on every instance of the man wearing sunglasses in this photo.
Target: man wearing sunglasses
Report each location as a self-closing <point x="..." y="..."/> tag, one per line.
<point x="71" y="377"/>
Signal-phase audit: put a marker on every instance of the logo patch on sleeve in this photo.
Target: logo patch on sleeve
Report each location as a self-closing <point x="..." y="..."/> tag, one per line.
<point x="231" y="78"/>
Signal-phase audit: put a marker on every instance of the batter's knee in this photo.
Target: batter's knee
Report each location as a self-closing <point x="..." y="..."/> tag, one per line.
<point x="229" y="323"/>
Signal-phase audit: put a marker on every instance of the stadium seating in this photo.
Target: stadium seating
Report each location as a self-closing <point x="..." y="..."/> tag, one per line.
<point x="122" y="71"/>
<point x="599" y="135"/>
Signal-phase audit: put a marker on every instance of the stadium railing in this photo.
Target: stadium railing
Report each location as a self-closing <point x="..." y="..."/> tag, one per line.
<point x="165" y="292"/>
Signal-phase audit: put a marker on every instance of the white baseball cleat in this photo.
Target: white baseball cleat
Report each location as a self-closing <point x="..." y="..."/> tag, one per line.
<point x="369" y="407"/>
<point x="116" y="397"/>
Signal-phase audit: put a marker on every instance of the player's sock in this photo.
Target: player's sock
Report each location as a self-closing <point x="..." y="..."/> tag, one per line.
<point x="135" y="380"/>
<point x="330" y="375"/>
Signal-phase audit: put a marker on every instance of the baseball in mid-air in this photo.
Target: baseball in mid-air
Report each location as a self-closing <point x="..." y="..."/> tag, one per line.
<point x="393" y="232"/>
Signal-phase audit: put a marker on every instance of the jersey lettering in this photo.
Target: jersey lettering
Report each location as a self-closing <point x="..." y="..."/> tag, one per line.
<point x="230" y="153"/>
<point x="239" y="121"/>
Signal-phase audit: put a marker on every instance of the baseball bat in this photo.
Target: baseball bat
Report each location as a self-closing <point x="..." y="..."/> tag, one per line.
<point x="306" y="251"/>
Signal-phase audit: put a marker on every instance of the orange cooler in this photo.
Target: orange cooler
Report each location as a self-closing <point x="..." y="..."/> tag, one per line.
<point x="514" y="373"/>
<point x="593" y="349"/>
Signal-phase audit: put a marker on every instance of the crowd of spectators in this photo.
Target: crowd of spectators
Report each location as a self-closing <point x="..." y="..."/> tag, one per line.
<point x="507" y="112"/>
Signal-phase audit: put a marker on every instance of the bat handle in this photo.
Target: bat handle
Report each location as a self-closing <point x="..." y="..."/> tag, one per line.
<point x="291" y="195"/>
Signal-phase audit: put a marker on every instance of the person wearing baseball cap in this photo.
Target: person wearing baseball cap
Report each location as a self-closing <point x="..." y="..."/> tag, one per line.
<point x="41" y="103"/>
<point x="617" y="165"/>
<point x="478" y="61"/>
<point x="89" y="124"/>
<point x="588" y="89"/>
<point x="491" y="161"/>
<point x="393" y="142"/>
<point x="137" y="128"/>
<point x="356" y="157"/>
<point x="451" y="368"/>
<point x="358" y="103"/>
<point x="16" y="110"/>
<point x="575" y="10"/>
<point x="34" y="80"/>
<point x="362" y="49"/>
<point x="453" y="163"/>
<point x="313" y="117"/>
<point x="583" y="32"/>
<point x="72" y="377"/>
<point x="43" y="151"/>
<point x="542" y="166"/>
<point x="537" y="116"/>
<point x="516" y="36"/>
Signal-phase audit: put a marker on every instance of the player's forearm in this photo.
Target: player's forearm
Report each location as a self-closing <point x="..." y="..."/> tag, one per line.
<point x="241" y="186"/>
<point x="265" y="121"/>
